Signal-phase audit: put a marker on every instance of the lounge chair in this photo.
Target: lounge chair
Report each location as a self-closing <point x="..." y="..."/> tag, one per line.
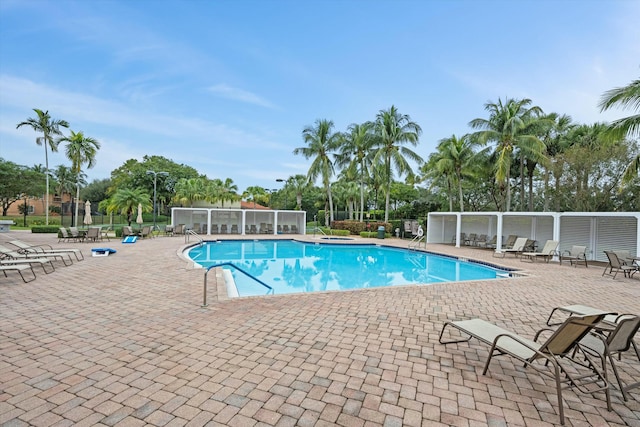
<point x="481" y="241"/>
<point x="104" y="232"/>
<point x="511" y="240"/>
<point x="9" y="257"/>
<point x="64" y="235"/>
<point x="285" y="229"/>
<point x="269" y="229"/>
<point x="214" y="229"/>
<point x="560" y="351"/>
<point x="46" y="250"/>
<point x="253" y="229"/>
<point x="547" y="252"/>
<point x="471" y="240"/>
<point x="294" y="229"/>
<point x="19" y="269"/>
<point x="517" y="248"/>
<point x="234" y="228"/>
<point x="223" y="229"/>
<point x="577" y="255"/>
<point x="491" y="243"/>
<point x="616" y="265"/>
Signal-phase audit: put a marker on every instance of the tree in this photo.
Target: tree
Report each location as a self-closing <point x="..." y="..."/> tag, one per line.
<point x="299" y="184"/>
<point x="190" y="190"/>
<point x="126" y="201"/>
<point x="48" y="127"/>
<point x="321" y="144"/>
<point x="456" y="155"/>
<point x="506" y="127"/>
<point x="80" y="149"/>
<point x="625" y="97"/>
<point x="394" y="130"/>
<point x="356" y="148"/>
<point x="253" y="193"/>
<point x="97" y="191"/>
<point x="17" y="181"/>
<point x="228" y="191"/>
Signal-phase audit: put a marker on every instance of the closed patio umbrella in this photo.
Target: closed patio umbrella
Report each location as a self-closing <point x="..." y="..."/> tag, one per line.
<point x="139" y="218"/>
<point x="87" y="213"/>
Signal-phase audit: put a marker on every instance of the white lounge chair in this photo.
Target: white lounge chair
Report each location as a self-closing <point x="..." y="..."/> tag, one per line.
<point x="19" y="269"/>
<point x="518" y="247"/>
<point x="547" y="252"/>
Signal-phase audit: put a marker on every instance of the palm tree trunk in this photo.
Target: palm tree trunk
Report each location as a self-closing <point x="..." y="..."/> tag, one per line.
<point x="77" y="201"/>
<point x="460" y="192"/>
<point x="46" y="172"/>
<point x="361" y="201"/>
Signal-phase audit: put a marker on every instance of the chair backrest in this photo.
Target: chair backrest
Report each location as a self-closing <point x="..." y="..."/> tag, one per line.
<point x="63" y="232"/>
<point x="519" y="243"/>
<point x="623" y="256"/>
<point x="550" y="246"/>
<point x="620" y="338"/>
<point x="74" y="231"/>
<point x="578" y="250"/>
<point x="569" y="333"/>
<point x="93" y="232"/>
<point x="614" y="261"/>
<point x="511" y="240"/>
<point x="9" y="252"/>
<point x="20" y="244"/>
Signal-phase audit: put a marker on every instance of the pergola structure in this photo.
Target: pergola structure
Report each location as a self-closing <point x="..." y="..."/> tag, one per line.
<point x="240" y="221"/>
<point x="599" y="231"/>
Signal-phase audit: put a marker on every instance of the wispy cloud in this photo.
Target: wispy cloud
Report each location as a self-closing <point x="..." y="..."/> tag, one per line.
<point x="237" y="94"/>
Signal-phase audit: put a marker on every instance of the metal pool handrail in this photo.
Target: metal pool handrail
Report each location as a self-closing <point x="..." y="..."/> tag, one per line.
<point x="230" y="264"/>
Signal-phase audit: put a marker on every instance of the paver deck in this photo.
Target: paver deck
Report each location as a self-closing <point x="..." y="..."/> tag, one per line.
<point x="123" y="340"/>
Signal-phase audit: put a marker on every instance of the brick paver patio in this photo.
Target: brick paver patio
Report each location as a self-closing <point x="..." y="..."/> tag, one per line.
<point x="123" y="341"/>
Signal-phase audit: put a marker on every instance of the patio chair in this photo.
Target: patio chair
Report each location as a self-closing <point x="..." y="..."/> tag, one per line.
<point x="234" y="228"/>
<point x="481" y="241"/>
<point x="491" y="243"/>
<point x="547" y="252"/>
<point x="294" y="229"/>
<point x="19" y="269"/>
<point x="93" y="233"/>
<point x="179" y="229"/>
<point x="559" y="352"/>
<point x="471" y="240"/>
<point x="253" y="229"/>
<point x="616" y="265"/>
<point x="145" y="231"/>
<point x="46" y="250"/>
<point x="214" y="229"/>
<point x="104" y="232"/>
<point x="223" y="229"/>
<point x="577" y="255"/>
<point x="76" y="234"/>
<point x="614" y="343"/>
<point x="64" y="235"/>
<point x="517" y="248"/>
<point x="269" y="229"/>
<point x="285" y="228"/>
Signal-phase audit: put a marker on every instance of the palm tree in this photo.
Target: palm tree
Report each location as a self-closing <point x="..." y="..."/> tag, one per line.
<point x="80" y="150"/>
<point x="395" y="129"/>
<point x="228" y="191"/>
<point x="190" y="190"/>
<point x="437" y="170"/>
<point x="126" y="201"/>
<point x="321" y="143"/>
<point x="506" y="127"/>
<point x="48" y="127"/>
<point x="253" y="192"/>
<point x="356" y="147"/>
<point x="64" y="177"/>
<point x="300" y="184"/>
<point x="625" y="97"/>
<point x="456" y="155"/>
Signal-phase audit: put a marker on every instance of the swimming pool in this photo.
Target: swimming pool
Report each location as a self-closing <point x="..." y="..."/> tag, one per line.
<point x="290" y="266"/>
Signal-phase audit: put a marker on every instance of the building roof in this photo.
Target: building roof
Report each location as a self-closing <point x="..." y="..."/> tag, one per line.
<point x="251" y="205"/>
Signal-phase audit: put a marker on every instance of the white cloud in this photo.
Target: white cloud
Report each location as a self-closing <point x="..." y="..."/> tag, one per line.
<point x="236" y="94"/>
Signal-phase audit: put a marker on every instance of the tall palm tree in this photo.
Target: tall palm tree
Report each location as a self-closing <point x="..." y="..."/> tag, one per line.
<point x="80" y="150"/>
<point x="625" y="97"/>
<point x="456" y="156"/>
<point x="299" y="184"/>
<point x="394" y="130"/>
<point x="228" y="191"/>
<point x="190" y="190"/>
<point x="356" y="149"/>
<point x="64" y="183"/>
<point x="126" y="201"/>
<point x="439" y="171"/>
<point x="321" y="144"/>
<point x="48" y="127"/>
<point x="253" y="192"/>
<point x="506" y="127"/>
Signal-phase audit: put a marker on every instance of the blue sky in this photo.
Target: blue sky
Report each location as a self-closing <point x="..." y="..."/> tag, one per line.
<point x="227" y="86"/>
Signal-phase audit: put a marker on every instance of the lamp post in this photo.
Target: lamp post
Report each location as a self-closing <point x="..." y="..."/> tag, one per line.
<point x="285" y="193"/>
<point x="155" y="183"/>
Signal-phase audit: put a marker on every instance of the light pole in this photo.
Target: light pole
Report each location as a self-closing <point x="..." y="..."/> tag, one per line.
<point x="285" y="193"/>
<point x="155" y="183"/>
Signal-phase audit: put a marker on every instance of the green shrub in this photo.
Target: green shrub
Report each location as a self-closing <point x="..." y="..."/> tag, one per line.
<point x="354" y="227"/>
<point x="118" y="231"/>
<point x="374" y="234"/>
<point x="45" y="229"/>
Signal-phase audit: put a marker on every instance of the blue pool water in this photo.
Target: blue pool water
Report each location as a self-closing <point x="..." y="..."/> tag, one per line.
<point x="288" y="266"/>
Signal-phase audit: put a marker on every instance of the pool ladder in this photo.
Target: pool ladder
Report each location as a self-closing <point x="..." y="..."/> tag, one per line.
<point x="189" y="233"/>
<point x="230" y="264"/>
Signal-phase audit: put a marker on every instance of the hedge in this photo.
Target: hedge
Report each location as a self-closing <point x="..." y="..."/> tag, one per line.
<point x="45" y="229"/>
